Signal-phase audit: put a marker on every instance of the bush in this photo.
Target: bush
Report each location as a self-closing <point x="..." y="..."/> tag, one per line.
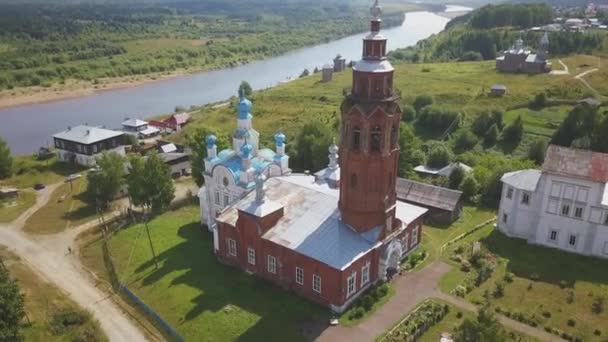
<point x="422" y="101"/>
<point x="597" y="332"/>
<point x="439" y="156"/>
<point x="570" y="297"/>
<point x="536" y="151"/>
<point x="356" y="313"/>
<point x="499" y="290"/>
<point x="509" y="277"/>
<point x="383" y="290"/>
<point x="539" y="100"/>
<point x="546" y="314"/>
<point x="437" y="119"/>
<point x="491" y="136"/>
<point x="459" y="314"/>
<point x="563" y="284"/>
<point x="513" y="133"/>
<point x="465" y="141"/>
<point x="66" y="319"/>
<point x="597" y="307"/>
<point x="408" y="113"/>
<point x="485" y="120"/>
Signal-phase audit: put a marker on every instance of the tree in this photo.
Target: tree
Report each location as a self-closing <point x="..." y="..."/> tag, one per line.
<point x="408" y="113"/>
<point x="456" y="178"/>
<point x="465" y="141"/>
<point x="197" y="142"/>
<point x="150" y="183"/>
<point x="305" y="73"/>
<point x="484" y="328"/>
<point x="422" y="101"/>
<point x="439" y="156"/>
<point x="599" y="142"/>
<point x="311" y="146"/>
<point x="469" y="187"/>
<point x="513" y="133"/>
<point x="6" y="160"/>
<point x="536" y="151"/>
<point x="539" y="101"/>
<point x="245" y="88"/>
<point x="106" y="180"/>
<point x="11" y="307"/>
<point x="491" y="136"/>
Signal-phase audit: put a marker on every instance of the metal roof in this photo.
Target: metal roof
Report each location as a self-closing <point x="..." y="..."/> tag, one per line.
<point x="87" y="134"/>
<point x="526" y="180"/>
<point x="427" y="195"/>
<point x="570" y="162"/>
<point x="134" y="123"/>
<point x="373" y="66"/>
<point x="445" y="171"/>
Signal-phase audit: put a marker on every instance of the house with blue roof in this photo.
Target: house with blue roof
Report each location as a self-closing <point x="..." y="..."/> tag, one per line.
<point x="229" y="174"/>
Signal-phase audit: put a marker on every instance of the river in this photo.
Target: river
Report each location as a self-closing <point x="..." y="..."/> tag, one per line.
<point x="28" y="127"/>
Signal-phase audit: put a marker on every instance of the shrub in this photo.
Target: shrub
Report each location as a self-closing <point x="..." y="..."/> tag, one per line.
<point x="367" y="302"/>
<point x="597" y="332"/>
<point x="546" y="314"/>
<point x="485" y="120"/>
<point x="499" y="290"/>
<point x="536" y="151"/>
<point x="459" y="314"/>
<point x="465" y="141"/>
<point x="597" y="307"/>
<point x="571" y="322"/>
<point x="422" y="101"/>
<point x="65" y="319"/>
<point x="383" y="290"/>
<point x="508" y="277"/>
<point x="465" y="266"/>
<point x="439" y="156"/>
<point x="563" y="284"/>
<point x="539" y="100"/>
<point x="357" y="313"/>
<point x="548" y="329"/>
<point x="408" y="113"/>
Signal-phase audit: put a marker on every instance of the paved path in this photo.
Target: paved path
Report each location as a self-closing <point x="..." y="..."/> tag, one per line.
<point x="581" y="77"/>
<point x="565" y="71"/>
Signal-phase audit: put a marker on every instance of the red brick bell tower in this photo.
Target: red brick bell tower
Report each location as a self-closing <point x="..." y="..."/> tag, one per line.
<point x="369" y="149"/>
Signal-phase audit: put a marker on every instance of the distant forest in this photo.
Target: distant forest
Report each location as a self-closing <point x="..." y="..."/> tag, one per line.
<point x="44" y="42"/>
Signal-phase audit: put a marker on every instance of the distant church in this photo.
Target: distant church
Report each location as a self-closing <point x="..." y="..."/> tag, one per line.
<point x="520" y="59"/>
<point x="328" y="236"/>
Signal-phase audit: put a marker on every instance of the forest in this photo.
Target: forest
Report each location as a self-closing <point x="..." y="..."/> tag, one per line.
<point x="484" y="33"/>
<point x="50" y="42"/>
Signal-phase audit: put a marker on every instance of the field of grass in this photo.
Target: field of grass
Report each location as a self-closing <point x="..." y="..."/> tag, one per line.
<point x="196" y="294"/>
<point x="29" y="171"/>
<point x="9" y="211"/>
<point x="458" y="86"/>
<point x="43" y="304"/>
<point x="548" y="286"/>
<point x="66" y="208"/>
<point x="598" y="81"/>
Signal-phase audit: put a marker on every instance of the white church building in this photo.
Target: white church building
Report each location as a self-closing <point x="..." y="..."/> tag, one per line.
<point x="229" y="174"/>
<point x="564" y="205"/>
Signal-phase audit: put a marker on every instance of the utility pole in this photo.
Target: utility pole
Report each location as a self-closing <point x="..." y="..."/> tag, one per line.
<point x="150" y="240"/>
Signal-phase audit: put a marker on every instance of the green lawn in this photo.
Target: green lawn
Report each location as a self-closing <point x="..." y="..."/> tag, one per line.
<point x="203" y="299"/>
<point x="9" y="211"/>
<point x="66" y="208"/>
<point x="28" y="171"/>
<point x="435" y="237"/>
<point x="43" y="302"/>
<point x="598" y="81"/>
<point x="543" y="280"/>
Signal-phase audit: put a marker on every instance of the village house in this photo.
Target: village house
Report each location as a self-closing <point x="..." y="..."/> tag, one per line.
<point x="178" y="162"/>
<point x="339" y="63"/>
<point x="444" y="205"/>
<point x="327" y="237"/>
<point x="564" y="205"/>
<point x="83" y="144"/>
<point x="139" y="129"/>
<point x="173" y="123"/>
<point x="520" y="59"/>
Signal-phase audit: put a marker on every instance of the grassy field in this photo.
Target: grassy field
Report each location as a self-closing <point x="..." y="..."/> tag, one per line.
<point x="66" y="208"/>
<point x="435" y="237"/>
<point x="198" y="296"/>
<point x="458" y="86"/>
<point x="29" y="171"/>
<point x="44" y="303"/>
<point x="549" y="286"/>
<point x="598" y="81"/>
<point x="9" y="211"/>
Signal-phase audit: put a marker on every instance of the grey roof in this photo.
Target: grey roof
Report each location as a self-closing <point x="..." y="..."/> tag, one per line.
<point x="86" y="134"/>
<point x="499" y="87"/>
<point x="445" y="171"/>
<point x="427" y="195"/>
<point x="526" y="180"/>
<point x="168" y="148"/>
<point x="311" y="223"/>
<point x="590" y="102"/>
<point x="171" y="156"/>
<point x="134" y="123"/>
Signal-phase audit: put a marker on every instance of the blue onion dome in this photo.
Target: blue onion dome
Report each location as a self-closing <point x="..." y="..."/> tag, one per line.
<point x="244" y="107"/>
<point x="279" y="139"/>
<point x="246" y="150"/>
<point x="211" y="140"/>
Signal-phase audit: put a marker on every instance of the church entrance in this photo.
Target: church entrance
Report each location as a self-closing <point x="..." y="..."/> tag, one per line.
<point x="389" y="262"/>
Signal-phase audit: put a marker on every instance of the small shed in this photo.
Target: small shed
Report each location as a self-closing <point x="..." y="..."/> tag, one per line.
<point x="327" y="73"/>
<point x="590" y="102"/>
<point x="444" y="205"/>
<point x="339" y="63"/>
<point x="498" y="90"/>
<point x="8" y="194"/>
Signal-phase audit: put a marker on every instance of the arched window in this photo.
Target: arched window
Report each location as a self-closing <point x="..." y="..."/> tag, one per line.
<point x="393" y="136"/>
<point x="225" y="181"/>
<point x="353" y="181"/>
<point x="356" y="138"/>
<point x="376" y="139"/>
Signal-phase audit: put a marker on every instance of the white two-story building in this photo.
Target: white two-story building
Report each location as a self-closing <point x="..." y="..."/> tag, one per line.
<point x="564" y="205"/>
<point x="82" y="144"/>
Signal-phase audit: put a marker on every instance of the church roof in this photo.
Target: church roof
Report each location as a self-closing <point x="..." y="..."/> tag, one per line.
<point x="311" y="223"/>
<point x="570" y="162"/>
<point x="233" y="162"/>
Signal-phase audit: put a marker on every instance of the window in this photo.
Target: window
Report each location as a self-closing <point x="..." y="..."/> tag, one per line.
<point x="376" y="139"/>
<point x="505" y="217"/>
<point x="572" y="240"/>
<point x="299" y="276"/>
<point x="566" y="209"/>
<point x="217" y="198"/>
<point x="231" y="247"/>
<point x="353" y="181"/>
<point x="365" y="274"/>
<point x="95" y="149"/>
<point x="356" y="138"/>
<point x="606" y="219"/>
<point x="251" y="256"/>
<point x="525" y="198"/>
<point x="226" y="199"/>
<point x="578" y="212"/>
<point x="316" y="283"/>
<point x="272" y="264"/>
<point x="414" y="241"/>
<point x="510" y="193"/>
<point x="225" y="181"/>
<point x="393" y="136"/>
<point x="553" y="235"/>
<point x="351" y="285"/>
